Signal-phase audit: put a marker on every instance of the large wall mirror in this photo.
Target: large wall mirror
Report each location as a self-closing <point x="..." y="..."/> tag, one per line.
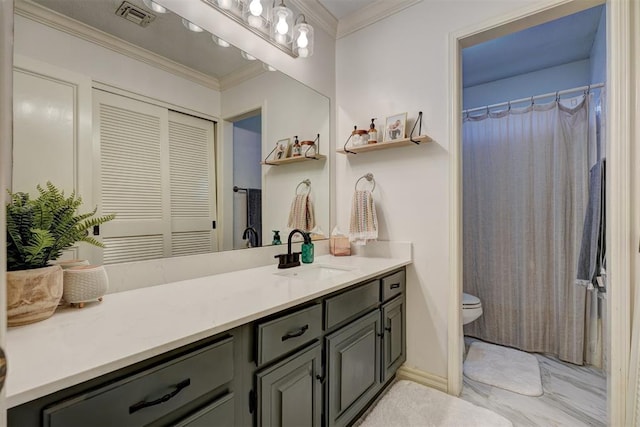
<point x="145" y="117"/>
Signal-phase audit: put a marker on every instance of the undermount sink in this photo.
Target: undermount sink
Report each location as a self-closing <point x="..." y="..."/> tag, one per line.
<point x="314" y="272"/>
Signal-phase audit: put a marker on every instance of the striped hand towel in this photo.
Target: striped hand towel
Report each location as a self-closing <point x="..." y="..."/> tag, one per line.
<point x="363" y="226"/>
<point x="301" y="215"/>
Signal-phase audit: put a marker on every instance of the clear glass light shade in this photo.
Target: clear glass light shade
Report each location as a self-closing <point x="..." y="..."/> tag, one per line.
<point x="225" y="4"/>
<point x="246" y="56"/>
<point x="303" y="40"/>
<point x="191" y="26"/>
<point x="154" y="6"/>
<point x="220" y="42"/>
<point x="281" y="24"/>
<point x="253" y="14"/>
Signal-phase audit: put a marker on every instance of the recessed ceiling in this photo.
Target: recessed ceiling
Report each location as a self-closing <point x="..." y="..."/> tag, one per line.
<point x="554" y="43"/>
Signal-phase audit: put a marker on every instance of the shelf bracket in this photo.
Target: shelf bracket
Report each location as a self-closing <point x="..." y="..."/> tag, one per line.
<point x="418" y="120"/>
<point x="317" y="140"/>
<point x="266" y="162"/>
<point x="346" y="150"/>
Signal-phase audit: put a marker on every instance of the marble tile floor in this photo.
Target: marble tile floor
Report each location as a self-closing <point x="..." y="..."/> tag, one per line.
<point x="573" y="396"/>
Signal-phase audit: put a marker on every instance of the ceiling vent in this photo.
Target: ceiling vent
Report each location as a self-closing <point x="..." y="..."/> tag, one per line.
<point x="135" y="14"/>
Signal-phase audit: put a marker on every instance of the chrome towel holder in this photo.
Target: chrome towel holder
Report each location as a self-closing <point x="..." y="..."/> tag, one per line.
<point x="369" y="177"/>
<point x="306" y="182"/>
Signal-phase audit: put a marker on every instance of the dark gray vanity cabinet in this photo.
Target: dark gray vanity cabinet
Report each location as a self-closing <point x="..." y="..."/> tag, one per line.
<point x="290" y="392"/>
<point x="317" y="364"/>
<point x="353" y="368"/>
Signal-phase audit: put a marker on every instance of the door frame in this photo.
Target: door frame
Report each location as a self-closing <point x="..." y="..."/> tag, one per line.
<point x="619" y="85"/>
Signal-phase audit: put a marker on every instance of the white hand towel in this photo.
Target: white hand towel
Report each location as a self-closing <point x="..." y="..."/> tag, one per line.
<point x="363" y="226"/>
<point x="301" y="215"/>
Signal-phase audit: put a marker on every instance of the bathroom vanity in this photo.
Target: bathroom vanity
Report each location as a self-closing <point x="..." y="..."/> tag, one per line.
<point x="311" y="345"/>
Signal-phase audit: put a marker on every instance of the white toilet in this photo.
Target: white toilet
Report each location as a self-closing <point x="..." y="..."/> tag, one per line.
<point x="471" y="308"/>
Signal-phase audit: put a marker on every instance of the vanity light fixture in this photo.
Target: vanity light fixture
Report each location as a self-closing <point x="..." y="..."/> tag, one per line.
<point x="154" y="6"/>
<point x="254" y="13"/>
<point x="246" y="56"/>
<point x="281" y="23"/>
<point x="302" y="38"/>
<point x="225" y="4"/>
<point x="191" y="26"/>
<point x="273" y="22"/>
<point x="220" y="42"/>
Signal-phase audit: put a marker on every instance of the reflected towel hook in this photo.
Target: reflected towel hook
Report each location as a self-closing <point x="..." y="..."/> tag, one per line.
<point x="368" y="177"/>
<point x="307" y="182"/>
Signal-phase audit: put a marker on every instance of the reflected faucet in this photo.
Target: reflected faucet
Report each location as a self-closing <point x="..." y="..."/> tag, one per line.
<point x="251" y="235"/>
<point x="292" y="259"/>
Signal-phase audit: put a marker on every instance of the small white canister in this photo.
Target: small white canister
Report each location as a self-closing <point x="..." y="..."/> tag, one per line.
<point x="84" y="283"/>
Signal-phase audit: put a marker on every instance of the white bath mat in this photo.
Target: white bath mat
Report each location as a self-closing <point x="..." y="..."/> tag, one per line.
<point x="409" y="404"/>
<point x="503" y="367"/>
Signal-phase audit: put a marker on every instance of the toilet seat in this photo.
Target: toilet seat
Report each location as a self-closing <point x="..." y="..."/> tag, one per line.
<point x="470" y="301"/>
<point x="471" y="308"/>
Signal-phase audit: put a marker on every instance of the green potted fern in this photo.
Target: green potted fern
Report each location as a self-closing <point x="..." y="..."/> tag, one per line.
<point x="38" y="231"/>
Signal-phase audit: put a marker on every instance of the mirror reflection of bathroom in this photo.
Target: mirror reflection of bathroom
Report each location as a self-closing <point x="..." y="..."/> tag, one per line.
<point x="533" y="179"/>
<point x="247" y="181"/>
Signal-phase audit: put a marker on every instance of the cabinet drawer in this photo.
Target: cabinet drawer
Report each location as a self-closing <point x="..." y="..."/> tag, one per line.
<point x="281" y="335"/>
<point x="148" y="395"/>
<point x="219" y="413"/>
<point x="393" y="285"/>
<point x="351" y="303"/>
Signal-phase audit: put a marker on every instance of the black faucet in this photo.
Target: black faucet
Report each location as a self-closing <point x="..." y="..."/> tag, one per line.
<point x="292" y="259"/>
<point x="251" y="234"/>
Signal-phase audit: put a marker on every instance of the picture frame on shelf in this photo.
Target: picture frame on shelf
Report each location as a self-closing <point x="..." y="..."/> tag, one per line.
<point x="395" y="127"/>
<point x="283" y="149"/>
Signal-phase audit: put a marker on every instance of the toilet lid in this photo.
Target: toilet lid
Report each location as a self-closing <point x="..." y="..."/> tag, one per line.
<point x="470" y="300"/>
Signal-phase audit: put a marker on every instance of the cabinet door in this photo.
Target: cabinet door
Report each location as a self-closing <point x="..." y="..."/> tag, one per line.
<point x="393" y="341"/>
<point x="290" y="392"/>
<point x="353" y="366"/>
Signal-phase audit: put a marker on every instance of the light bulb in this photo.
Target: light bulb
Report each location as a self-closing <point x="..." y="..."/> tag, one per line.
<point x="255" y="21"/>
<point x="191" y="26"/>
<point x="282" y="27"/>
<point x="224" y="4"/>
<point x="220" y="42"/>
<point x="303" y="52"/>
<point x="255" y="7"/>
<point x="302" y="41"/>
<point x="155" y="6"/>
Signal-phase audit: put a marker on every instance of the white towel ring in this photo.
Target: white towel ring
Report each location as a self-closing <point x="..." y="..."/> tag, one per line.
<point x="368" y="177"/>
<point x="307" y="182"/>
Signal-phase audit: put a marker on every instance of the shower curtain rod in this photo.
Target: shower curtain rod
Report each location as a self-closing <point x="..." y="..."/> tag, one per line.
<point x="533" y="98"/>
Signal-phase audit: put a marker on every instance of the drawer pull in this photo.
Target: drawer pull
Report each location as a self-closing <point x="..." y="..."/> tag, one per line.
<point x="178" y="388"/>
<point x="295" y="334"/>
<point x="394" y="286"/>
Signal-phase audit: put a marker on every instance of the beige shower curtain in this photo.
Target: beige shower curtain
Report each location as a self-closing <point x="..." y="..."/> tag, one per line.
<point x="525" y="192"/>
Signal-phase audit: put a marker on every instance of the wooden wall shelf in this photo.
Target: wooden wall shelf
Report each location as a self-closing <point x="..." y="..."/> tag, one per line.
<point x="288" y="160"/>
<point x="385" y="145"/>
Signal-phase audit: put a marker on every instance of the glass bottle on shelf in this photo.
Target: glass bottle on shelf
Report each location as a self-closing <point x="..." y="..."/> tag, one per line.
<point x="373" y="133"/>
<point x="297" y="150"/>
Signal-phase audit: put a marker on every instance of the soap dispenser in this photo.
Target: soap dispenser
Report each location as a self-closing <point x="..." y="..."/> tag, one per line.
<point x="307" y="250"/>
<point x="373" y="133"/>
<point x="276" y="238"/>
<point x="297" y="149"/>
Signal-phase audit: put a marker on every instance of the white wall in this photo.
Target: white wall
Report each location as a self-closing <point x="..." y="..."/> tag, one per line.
<point x="289" y="108"/>
<point x="412" y="184"/>
<point x="548" y="80"/>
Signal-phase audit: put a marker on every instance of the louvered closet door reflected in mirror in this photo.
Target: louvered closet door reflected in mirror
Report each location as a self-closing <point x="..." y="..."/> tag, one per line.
<point x="157" y="174"/>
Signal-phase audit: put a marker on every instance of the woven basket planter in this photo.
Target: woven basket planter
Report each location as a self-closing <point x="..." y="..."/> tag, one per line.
<point x="33" y="295"/>
<point x="84" y="283"/>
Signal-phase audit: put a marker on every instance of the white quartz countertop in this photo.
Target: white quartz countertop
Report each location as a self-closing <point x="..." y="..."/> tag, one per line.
<point x="76" y="345"/>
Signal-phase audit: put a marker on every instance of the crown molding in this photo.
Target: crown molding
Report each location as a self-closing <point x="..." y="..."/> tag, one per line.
<point x="368" y="15"/>
<point x="317" y="14"/>
<point x="55" y="20"/>
<point x="254" y="69"/>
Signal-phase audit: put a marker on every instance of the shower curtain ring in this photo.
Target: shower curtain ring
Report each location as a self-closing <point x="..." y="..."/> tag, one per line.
<point x="532" y="102"/>
<point x="557" y="96"/>
<point x="509" y="104"/>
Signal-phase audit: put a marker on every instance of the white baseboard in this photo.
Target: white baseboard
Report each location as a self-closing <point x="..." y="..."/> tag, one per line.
<point x="421" y="377"/>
